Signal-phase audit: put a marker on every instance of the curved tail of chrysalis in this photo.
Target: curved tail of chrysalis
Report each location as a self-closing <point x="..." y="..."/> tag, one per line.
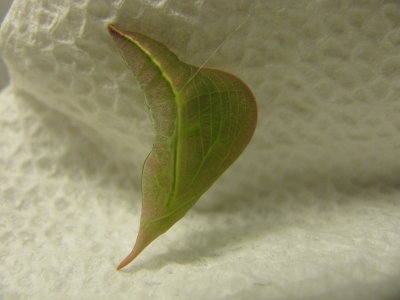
<point x="203" y="119"/>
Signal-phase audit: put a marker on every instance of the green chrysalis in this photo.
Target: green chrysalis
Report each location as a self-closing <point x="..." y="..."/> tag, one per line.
<point x="202" y="118"/>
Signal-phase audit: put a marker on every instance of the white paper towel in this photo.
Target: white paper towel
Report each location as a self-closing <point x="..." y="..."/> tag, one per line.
<point x="311" y="210"/>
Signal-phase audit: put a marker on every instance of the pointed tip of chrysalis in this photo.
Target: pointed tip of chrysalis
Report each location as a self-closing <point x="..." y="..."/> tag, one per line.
<point x="127" y="260"/>
<point x="131" y="256"/>
<point x="112" y="29"/>
<point x="143" y="239"/>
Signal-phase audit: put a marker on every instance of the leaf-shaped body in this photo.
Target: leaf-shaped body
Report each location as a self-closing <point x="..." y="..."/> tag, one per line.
<point x="203" y="119"/>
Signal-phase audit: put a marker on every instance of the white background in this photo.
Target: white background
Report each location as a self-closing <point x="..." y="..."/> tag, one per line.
<point x="310" y="210"/>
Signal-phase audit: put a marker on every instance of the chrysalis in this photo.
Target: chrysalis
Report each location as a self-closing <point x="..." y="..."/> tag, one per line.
<point x="202" y="118"/>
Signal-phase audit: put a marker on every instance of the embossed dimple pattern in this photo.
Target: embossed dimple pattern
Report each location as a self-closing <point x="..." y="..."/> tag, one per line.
<point x="310" y="208"/>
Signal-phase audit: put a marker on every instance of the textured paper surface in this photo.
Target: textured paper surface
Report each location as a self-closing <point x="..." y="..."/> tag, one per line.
<point x="311" y="210"/>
